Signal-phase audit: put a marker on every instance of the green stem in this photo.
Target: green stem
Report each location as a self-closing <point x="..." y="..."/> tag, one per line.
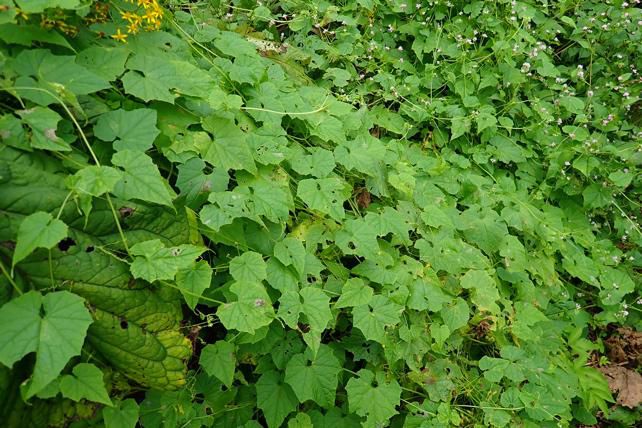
<point x="10" y="279"/>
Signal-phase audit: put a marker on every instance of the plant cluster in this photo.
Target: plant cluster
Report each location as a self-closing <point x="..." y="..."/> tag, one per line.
<point x="306" y="214"/>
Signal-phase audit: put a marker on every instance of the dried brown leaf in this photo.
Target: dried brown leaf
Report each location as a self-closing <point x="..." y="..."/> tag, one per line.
<point x="627" y="383"/>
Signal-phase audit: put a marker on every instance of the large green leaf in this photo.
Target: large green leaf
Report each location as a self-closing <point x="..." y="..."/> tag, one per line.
<point x="141" y="179"/>
<point x="371" y="395"/>
<point x="129" y="130"/>
<point x="218" y="360"/>
<point x="136" y="328"/>
<point x="53" y="326"/>
<point x="275" y="398"/>
<point x="314" y="377"/>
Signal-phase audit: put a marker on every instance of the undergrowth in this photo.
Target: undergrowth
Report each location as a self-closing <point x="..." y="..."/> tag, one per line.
<point x="308" y="214"/>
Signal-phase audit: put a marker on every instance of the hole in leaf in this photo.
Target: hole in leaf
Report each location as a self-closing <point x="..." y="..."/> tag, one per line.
<point x="8" y="244"/>
<point x="126" y="212"/>
<point x="66" y="243"/>
<point x="308" y="363"/>
<point x="89" y="249"/>
<point x="124" y="324"/>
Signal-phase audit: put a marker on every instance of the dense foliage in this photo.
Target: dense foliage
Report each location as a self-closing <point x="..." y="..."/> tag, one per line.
<point x="310" y="214"/>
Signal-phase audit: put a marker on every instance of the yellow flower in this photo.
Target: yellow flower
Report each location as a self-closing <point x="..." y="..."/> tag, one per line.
<point x="150" y="17"/>
<point x="119" y="36"/>
<point x="132" y="28"/>
<point x="127" y="16"/>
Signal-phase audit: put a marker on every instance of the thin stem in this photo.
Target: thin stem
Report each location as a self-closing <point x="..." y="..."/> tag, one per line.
<point x="10" y="279"/>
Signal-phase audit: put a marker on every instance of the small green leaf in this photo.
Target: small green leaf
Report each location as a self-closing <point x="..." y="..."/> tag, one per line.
<point x="38" y="230"/>
<point x="193" y="280"/>
<point x="95" y="180"/>
<point x="325" y="195"/>
<point x="484" y="290"/>
<point x="123" y="415"/>
<point x="291" y="252"/>
<point x="86" y="381"/>
<point x="154" y="261"/>
<point x="44" y="123"/>
<point x="218" y="360"/>
<point x="374" y="317"/>
<point x="456" y="315"/>
<point x="354" y="293"/>
<point x="251" y="311"/>
<point x="248" y="267"/>
<point x="459" y="126"/>
<point x="572" y="104"/>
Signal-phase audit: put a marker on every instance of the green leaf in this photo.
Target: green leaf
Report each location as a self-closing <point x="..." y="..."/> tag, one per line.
<point x="129" y="130"/>
<point x="248" y="267"/>
<point x="314" y="377"/>
<point x="44" y="123"/>
<point x="371" y="396"/>
<point x="157" y="262"/>
<point x="53" y="326"/>
<point x="291" y="252"/>
<point x="29" y="34"/>
<point x="456" y="315"/>
<point x="325" y="195"/>
<point x="141" y="179"/>
<point x="95" y="180"/>
<point x="427" y="294"/>
<point x="123" y="415"/>
<point x="38" y="230"/>
<point x="219" y="360"/>
<point x="269" y="199"/>
<point x="251" y="311"/>
<point x="354" y="293"/>
<point x="162" y="78"/>
<point x="339" y="76"/>
<point x="230" y="149"/>
<point x="195" y="185"/>
<point x="193" y="280"/>
<point x="311" y="302"/>
<point x="302" y="420"/>
<point x="484" y="290"/>
<point x="319" y="163"/>
<point x="85" y="382"/>
<point x="374" y="317"/>
<point x="63" y="72"/>
<point x="275" y="398"/>
<point x="572" y="104"/>
<point x="136" y="328"/>
<point x="459" y="126"/>
<point x="106" y="62"/>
